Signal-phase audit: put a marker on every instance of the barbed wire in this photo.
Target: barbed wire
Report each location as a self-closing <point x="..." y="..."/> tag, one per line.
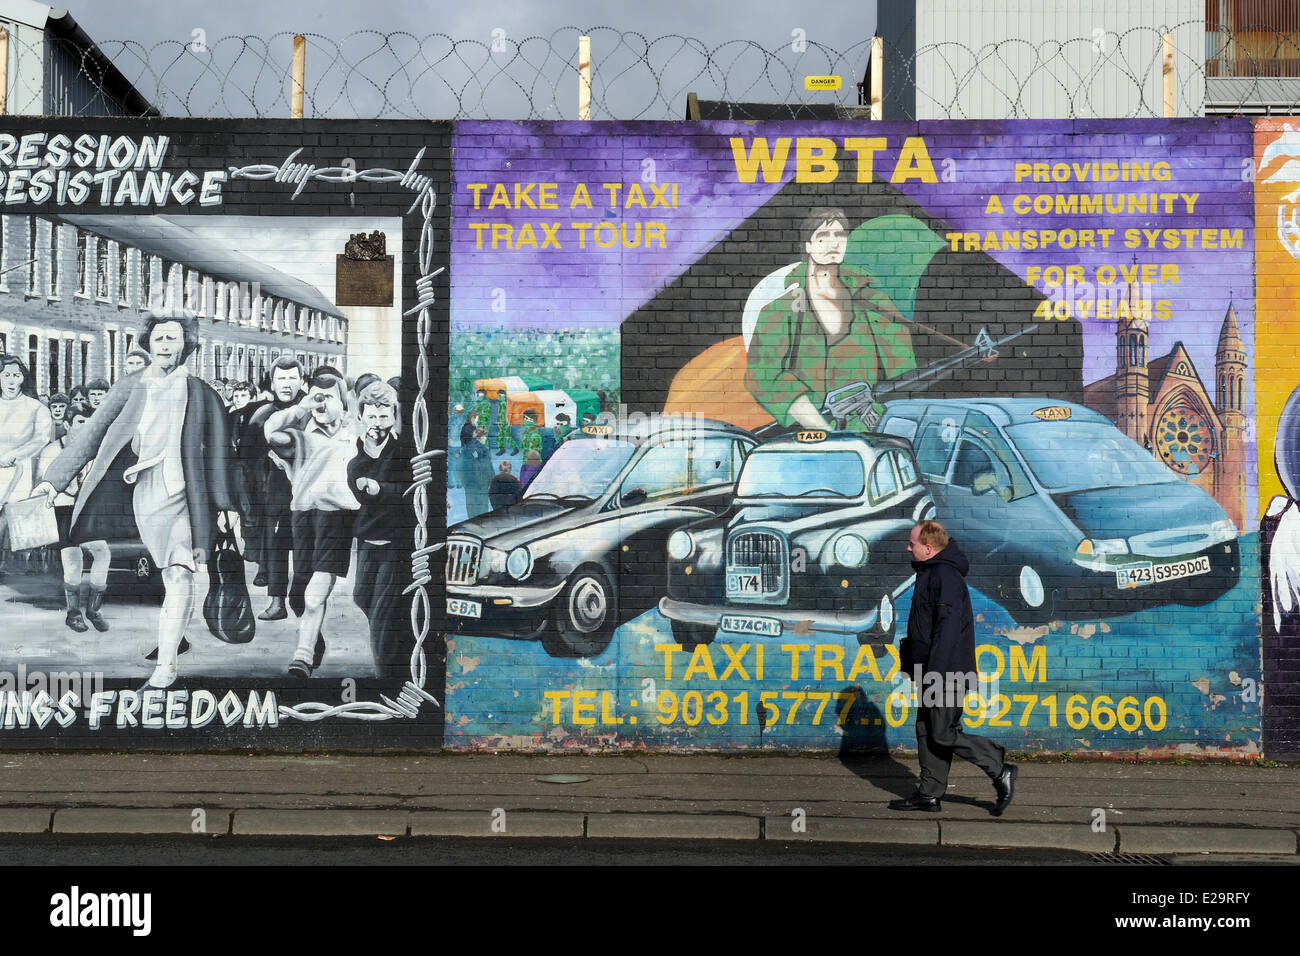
<point x="376" y="75"/>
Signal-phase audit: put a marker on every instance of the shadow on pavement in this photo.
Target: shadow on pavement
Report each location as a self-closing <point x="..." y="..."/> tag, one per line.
<point x="865" y="751"/>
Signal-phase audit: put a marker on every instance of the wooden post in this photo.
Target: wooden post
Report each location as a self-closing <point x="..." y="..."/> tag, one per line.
<point x="877" y="94"/>
<point x="299" y="75"/>
<point x="584" y="78"/>
<point x="1171" y="103"/>
<point x="4" y="71"/>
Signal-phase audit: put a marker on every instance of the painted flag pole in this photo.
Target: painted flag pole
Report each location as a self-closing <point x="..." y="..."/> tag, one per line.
<point x="299" y="75"/>
<point x="584" y="78"/>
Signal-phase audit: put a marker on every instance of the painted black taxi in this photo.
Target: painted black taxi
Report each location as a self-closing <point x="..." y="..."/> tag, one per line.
<point x="816" y="542"/>
<point x="583" y="550"/>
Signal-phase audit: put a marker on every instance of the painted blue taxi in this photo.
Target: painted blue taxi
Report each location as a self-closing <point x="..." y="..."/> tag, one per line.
<point x="1061" y="513"/>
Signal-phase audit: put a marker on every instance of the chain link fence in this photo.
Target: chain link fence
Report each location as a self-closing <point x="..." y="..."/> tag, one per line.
<point x="377" y="75"/>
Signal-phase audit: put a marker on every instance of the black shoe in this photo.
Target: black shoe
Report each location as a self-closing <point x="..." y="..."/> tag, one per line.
<point x="274" y="611"/>
<point x="260" y="580"/>
<point x="1004" y="784"/>
<point x="318" y="653"/>
<point x="94" y="601"/>
<point x="75" y="621"/>
<point x="181" y="649"/>
<point x="299" y="669"/>
<point x="916" y="802"/>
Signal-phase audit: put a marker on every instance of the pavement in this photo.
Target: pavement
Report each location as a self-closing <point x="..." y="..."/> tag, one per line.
<point x="1223" y="810"/>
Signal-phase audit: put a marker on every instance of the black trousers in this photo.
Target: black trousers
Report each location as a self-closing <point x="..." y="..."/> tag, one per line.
<point x="277" y="546"/>
<point x="383" y="571"/>
<point x="939" y="737"/>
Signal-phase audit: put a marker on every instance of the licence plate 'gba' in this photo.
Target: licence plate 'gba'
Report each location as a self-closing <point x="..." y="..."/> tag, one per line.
<point x="463" y="608"/>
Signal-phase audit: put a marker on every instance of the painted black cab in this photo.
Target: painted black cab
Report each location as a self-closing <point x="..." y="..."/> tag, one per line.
<point x="816" y="541"/>
<point x="583" y="550"/>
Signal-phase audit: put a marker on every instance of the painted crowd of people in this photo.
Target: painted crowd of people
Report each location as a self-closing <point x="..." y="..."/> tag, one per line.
<point x="305" y="469"/>
<point x="488" y="489"/>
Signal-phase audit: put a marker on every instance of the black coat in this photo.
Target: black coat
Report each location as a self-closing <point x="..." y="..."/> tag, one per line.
<point x="941" y="623"/>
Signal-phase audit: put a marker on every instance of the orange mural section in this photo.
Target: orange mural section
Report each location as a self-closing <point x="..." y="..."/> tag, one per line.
<point x="1277" y="285"/>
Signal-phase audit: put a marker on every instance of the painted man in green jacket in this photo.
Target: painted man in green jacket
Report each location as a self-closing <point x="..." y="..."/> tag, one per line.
<point x="532" y="437"/>
<point x="828" y="330"/>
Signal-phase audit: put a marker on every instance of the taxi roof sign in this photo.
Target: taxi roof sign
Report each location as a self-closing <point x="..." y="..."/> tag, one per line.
<point x="1052" y="413"/>
<point x="598" y="429"/>
<point x="810" y="436"/>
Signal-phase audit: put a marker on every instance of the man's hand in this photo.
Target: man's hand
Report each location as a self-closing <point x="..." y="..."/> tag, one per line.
<point x="806" y="414"/>
<point x="8" y="461"/>
<point x="369" y="486"/>
<point x="46" y="489"/>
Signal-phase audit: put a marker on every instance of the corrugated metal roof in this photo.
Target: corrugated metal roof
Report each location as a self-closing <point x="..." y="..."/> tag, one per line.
<point x="726" y="110"/>
<point x="172" y="239"/>
<point x="1253" y="94"/>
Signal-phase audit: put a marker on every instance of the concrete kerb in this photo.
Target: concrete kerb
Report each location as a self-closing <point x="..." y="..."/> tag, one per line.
<point x="26" y="819"/>
<point x="497" y="822"/>
<point x="673" y="826"/>
<point x="321" y="823"/>
<point x="1050" y="836"/>
<point x="846" y="830"/>
<point x="1146" y="839"/>
<point x="140" y="821"/>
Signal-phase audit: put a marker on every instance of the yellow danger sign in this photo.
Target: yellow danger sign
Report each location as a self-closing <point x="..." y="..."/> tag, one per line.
<point x="821" y="82"/>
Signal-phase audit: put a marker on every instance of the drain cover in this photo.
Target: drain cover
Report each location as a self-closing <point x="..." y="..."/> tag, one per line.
<point x="562" y="778"/>
<point x="1130" y="859"/>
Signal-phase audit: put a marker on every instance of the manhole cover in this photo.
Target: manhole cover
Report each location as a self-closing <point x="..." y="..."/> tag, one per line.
<point x="1130" y="859"/>
<point x="562" y="778"/>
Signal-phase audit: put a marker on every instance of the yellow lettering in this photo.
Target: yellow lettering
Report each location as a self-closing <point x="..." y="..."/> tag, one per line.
<point x="701" y="662"/>
<point x="830" y="656"/>
<point x="865" y="149"/>
<point x="814" y="160"/>
<point x="758" y="157"/>
<point x="914" y="163"/>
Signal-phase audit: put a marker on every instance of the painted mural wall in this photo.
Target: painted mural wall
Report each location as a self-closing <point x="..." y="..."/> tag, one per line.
<point x="215" y="388"/>
<point x="1041" y="334"/>
<point x="684" y="389"/>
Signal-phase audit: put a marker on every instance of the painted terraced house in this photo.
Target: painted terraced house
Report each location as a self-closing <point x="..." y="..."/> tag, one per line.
<point x="76" y="291"/>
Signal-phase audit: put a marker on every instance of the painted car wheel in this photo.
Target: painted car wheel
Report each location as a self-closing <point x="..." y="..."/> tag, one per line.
<point x="585" y="616"/>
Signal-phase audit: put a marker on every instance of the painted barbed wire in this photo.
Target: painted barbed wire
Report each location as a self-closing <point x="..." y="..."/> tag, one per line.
<point x="299" y="174"/>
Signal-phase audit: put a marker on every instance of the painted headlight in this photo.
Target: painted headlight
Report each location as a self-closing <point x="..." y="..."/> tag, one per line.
<point x="519" y="564"/>
<point x="1102" y="546"/>
<point x="850" y="551"/>
<point x="492" y="562"/>
<point x="680" y="546"/>
<point x="1223" y="530"/>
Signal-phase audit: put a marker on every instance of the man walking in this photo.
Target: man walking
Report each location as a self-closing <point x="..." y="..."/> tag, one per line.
<point x="941" y="630"/>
